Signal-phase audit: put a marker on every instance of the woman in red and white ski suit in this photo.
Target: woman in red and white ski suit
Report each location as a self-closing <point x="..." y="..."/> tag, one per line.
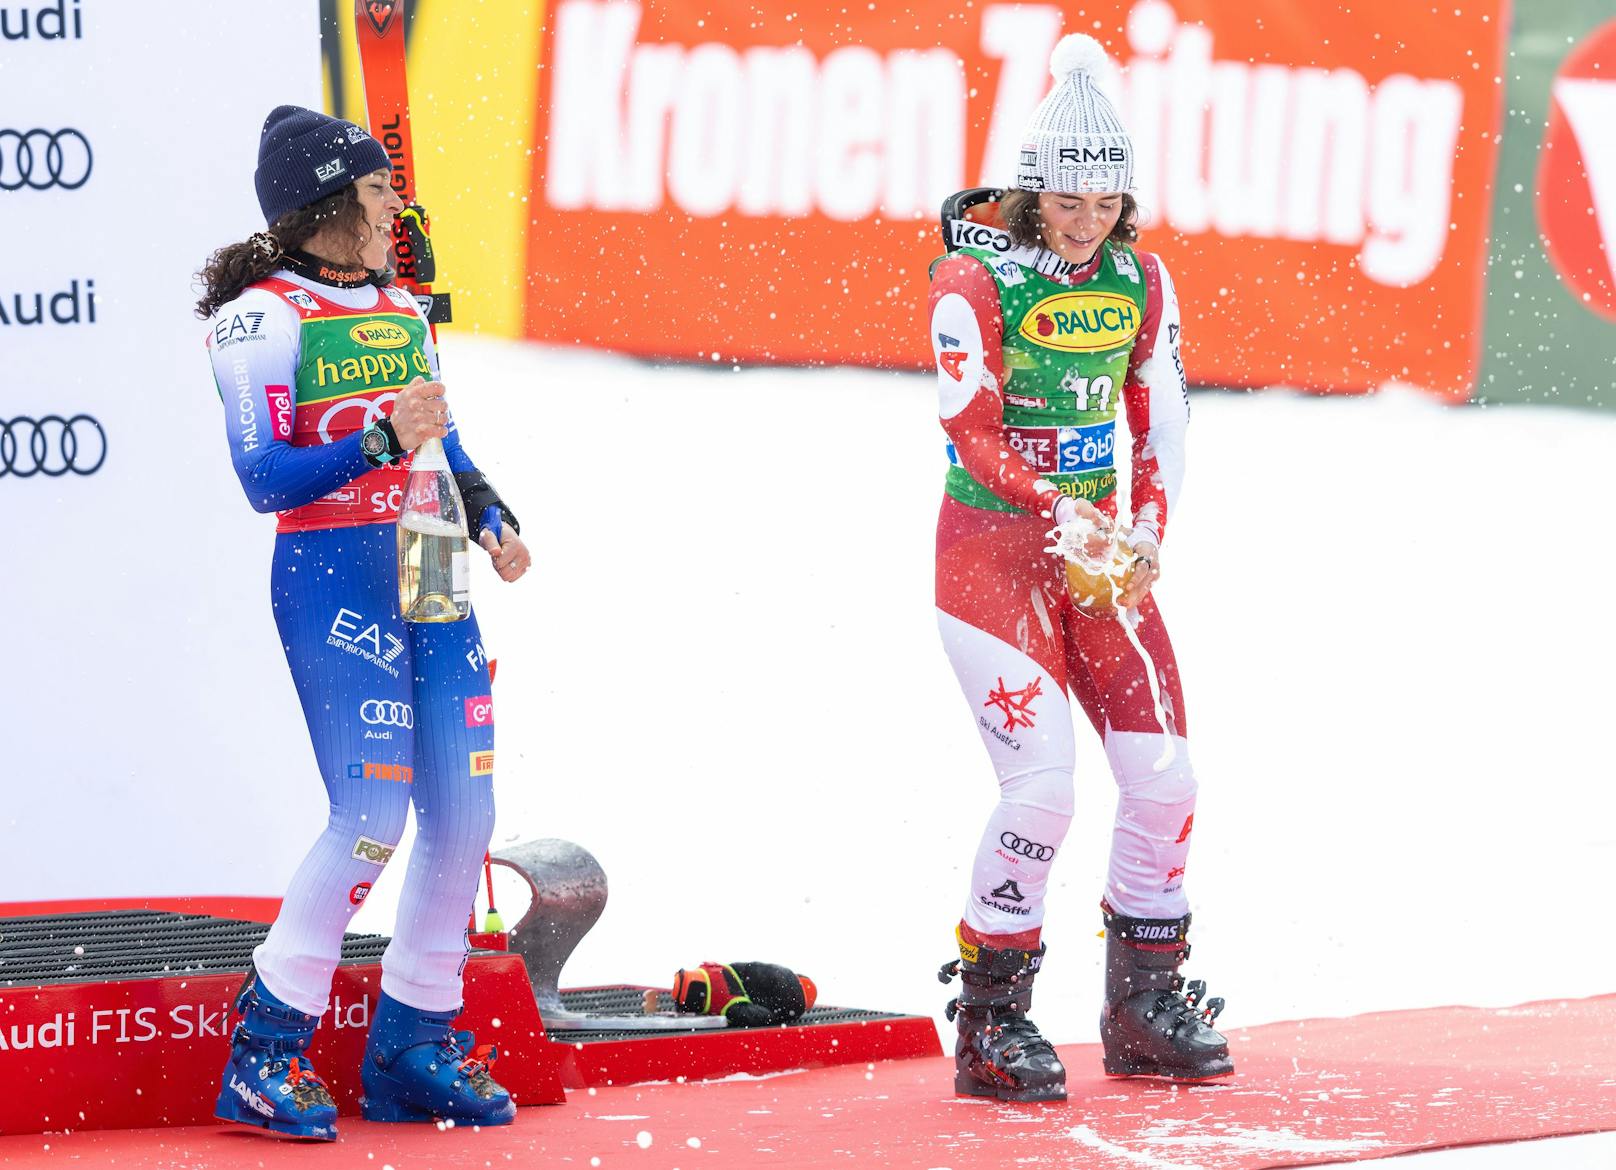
<point x="1031" y="338"/>
<point x="1018" y="644"/>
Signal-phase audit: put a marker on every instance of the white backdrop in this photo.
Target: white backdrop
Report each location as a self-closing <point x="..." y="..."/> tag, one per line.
<point x="145" y="707"/>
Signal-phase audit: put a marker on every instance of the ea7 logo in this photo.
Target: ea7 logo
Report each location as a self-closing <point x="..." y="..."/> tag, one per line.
<point x="325" y="172"/>
<point x="349" y="632"/>
<point x="239" y="327"/>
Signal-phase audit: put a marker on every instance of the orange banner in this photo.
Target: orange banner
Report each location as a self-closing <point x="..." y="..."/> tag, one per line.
<point x="720" y="182"/>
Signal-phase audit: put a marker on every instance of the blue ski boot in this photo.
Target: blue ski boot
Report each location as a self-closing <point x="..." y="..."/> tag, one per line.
<point x="418" y="1068"/>
<point x="268" y="1082"/>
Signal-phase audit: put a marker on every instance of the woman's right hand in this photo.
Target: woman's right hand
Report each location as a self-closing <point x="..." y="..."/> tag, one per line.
<point x="1098" y="543"/>
<point x="420" y="413"/>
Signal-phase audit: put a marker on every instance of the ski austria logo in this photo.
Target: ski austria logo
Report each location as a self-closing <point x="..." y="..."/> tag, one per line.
<point x="1016" y="705"/>
<point x="1576" y="177"/>
<point x="1074" y="322"/>
<point x="380" y="335"/>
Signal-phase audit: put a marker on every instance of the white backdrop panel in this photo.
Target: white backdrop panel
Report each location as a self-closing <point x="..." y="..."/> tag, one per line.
<point x="150" y="741"/>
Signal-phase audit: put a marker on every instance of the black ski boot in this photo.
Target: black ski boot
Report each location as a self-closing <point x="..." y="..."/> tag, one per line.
<point x="1153" y="1024"/>
<point x="999" y="1052"/>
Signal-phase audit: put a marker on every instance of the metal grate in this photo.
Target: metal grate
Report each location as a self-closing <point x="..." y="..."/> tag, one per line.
<point x="110" y="945"/>
<point x="630" y="1001"/>
<point x="138" y="944"/>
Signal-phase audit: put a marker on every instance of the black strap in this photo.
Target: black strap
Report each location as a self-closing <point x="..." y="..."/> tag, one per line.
<point x="1148" y="931"/>
<point x="477" y="493"/>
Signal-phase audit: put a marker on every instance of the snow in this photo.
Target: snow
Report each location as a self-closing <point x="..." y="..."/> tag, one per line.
<point x="723" y="678"/>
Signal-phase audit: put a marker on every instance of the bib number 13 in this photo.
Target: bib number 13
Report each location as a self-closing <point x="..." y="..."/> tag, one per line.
<point x="1087" y="389"/>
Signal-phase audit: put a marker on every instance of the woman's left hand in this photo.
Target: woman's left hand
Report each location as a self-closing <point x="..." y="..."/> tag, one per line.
<point x="1143" y="572"/>
<point x="509" y="554"/>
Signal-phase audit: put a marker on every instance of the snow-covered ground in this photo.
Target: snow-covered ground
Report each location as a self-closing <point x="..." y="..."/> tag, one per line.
<point x="724" y="679"/>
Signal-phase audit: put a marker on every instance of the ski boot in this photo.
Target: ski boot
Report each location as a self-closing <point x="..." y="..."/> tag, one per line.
<point x="418" y="1068"/>
<point x="268" y="1082"/>
<point x="1153" y="1024"/>
<point x="1000" y="1052"/>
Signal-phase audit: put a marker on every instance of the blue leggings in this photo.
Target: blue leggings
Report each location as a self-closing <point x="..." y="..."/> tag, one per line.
<point x="398" y="713"/>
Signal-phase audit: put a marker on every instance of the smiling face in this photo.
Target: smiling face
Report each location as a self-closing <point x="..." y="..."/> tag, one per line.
<point x="1074" y="226"/>
<point x="360" y="237"/>
<point x="380" y="203"/>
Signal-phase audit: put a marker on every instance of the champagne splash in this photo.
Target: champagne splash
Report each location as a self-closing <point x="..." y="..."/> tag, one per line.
<point x="1095" y="581"/>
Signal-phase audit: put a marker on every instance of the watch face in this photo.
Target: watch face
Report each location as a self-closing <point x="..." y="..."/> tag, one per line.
<point x="373" y="442"/>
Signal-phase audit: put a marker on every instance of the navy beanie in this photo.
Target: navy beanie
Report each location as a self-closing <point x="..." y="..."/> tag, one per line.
<point x="303" y="156"/>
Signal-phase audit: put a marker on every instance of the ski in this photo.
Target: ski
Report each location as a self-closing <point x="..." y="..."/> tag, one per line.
<point x="379" y="28"/>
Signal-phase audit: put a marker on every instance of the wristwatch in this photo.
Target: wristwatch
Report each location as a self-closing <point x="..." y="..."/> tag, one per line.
<point x="379" y="444"/>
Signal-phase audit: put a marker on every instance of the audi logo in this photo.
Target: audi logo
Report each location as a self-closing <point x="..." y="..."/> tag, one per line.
<point x="371" y="410"/>
<point x="387" y="714"/>
<point x="1026" y="848"/>
<point x="42" y="159"/>
<point x="52" y="446"/>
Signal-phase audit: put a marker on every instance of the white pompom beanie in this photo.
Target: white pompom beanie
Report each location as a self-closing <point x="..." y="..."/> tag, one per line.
<point x="1075" y="141"/>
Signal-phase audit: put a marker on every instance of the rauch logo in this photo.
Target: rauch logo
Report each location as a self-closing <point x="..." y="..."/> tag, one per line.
<point x="1081" y="322"/>
<point x="380" y="335"/>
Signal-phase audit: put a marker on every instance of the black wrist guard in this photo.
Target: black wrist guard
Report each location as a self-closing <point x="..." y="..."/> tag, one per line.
<point x="477" y="494"/>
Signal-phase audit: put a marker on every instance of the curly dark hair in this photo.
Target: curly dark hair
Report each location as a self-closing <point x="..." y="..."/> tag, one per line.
<point x="235" y="266"/>
<point x="1019" y="210"/>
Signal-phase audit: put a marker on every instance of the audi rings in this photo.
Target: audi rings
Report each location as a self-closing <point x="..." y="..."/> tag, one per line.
<point x="52" y="446"/>
<point x="1026" y="848"/>
<point x="387" y="713"/>
<point x="42" y="159"/>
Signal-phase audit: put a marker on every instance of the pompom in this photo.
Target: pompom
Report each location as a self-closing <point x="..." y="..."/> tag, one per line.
<point x="1077" y="53"/>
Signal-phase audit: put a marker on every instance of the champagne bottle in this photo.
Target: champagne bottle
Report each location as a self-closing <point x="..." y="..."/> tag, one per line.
<point x="434" y="567"/>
